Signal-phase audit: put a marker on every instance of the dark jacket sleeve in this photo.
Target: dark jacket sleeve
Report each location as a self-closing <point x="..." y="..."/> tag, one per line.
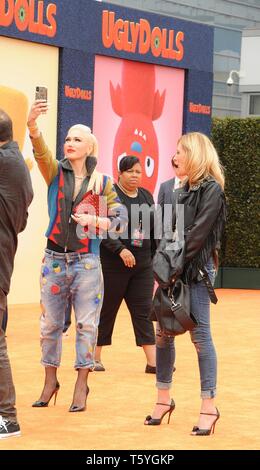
<point x="206" y="221"/>
<point x="160" y="199"/>
<point x="150" y="201"/>
<point x="154" y="241"/>
<point x="115" y="246"/>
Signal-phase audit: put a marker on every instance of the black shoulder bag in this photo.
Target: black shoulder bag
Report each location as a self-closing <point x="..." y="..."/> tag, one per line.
<point x="171" y="307"/>
<point x="168" y="262"/>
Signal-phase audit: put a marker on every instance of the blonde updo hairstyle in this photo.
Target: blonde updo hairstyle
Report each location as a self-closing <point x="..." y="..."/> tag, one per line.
<point x="202" y="159"/>
<point x="91" y="138"/>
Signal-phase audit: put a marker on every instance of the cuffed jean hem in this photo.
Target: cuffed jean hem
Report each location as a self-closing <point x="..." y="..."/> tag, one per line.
<point x="87" y="366"/>
<point x="163" y="385"/>
<point x="208" y="394"/>
<point x="48" y="364"/>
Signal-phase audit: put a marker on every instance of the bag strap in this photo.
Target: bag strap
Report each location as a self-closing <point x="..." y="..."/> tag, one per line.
<point x="186" y="321"/>
<point x="207" y="281"/>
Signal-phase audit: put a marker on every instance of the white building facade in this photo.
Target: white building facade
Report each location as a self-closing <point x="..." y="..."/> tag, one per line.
<point x="229" y="18"/>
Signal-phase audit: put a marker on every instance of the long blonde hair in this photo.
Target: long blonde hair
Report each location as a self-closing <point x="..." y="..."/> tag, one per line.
<point x="201" y="159"/>
<point x="96" y="178"/>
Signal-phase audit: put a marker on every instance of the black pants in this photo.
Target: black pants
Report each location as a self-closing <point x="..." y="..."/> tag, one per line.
<point x="7" y="391"/>
<point x="135" y="286"/>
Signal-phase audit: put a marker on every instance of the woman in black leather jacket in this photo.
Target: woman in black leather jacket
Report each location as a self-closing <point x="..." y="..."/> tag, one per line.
<point x="202" y="198"/>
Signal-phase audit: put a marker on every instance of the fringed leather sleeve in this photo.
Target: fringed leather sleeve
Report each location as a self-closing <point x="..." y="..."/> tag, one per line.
<point x="204" y="235"/>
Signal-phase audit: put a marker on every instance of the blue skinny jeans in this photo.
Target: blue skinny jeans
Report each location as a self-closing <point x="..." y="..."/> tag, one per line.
<point x="201" y="338"/>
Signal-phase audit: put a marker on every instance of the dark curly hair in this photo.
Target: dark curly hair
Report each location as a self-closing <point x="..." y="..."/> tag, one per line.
<point x="126" y="163"/>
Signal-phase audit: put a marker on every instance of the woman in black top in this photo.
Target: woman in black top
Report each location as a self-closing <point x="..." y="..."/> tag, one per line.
<point x="126" y="265"/>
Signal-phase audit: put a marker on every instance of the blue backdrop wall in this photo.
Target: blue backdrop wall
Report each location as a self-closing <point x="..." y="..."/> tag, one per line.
<point x="78" y="28"/>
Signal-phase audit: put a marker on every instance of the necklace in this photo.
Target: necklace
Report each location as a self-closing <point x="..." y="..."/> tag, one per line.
<point x="78" y="185"/>
<point x="128" y="193"/>
<point x="80" y="177"/>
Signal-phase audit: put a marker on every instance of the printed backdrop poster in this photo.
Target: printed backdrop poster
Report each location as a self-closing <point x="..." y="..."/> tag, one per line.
<point x="26" y="65"/>
<point x="138" y="110"/>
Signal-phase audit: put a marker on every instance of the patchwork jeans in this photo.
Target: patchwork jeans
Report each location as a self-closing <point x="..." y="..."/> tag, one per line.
<point x="78" y="275"/>
<point x="200" y="336"/>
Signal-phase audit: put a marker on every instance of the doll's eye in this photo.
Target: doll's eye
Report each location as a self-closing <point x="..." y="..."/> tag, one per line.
<point x="149" y="166"/>
<point x="119" y="158"/>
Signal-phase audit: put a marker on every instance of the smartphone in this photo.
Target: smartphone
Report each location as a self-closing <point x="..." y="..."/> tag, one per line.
<point x="41" y="93"/>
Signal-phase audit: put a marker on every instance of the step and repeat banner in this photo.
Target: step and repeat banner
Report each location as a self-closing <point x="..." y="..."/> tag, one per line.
<point x="138" y="79"/>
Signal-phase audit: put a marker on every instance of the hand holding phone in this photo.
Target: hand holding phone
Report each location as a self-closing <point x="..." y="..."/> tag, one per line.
<point x="41" y="93"/>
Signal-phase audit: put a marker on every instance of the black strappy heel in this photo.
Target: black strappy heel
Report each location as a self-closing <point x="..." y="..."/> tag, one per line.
<point x="156" y="421"/>
<point x="196" y="431"/>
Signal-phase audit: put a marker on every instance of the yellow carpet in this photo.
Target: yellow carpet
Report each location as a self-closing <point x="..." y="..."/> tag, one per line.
<point x="121" y="397"/>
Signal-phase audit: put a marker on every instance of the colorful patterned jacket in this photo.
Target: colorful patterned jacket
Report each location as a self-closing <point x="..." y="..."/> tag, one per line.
<point x="59" y="177"/>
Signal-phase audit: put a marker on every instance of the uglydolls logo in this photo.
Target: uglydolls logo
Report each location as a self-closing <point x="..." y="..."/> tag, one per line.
<point x="29" y="15"/>
<point x="141" y="38"/>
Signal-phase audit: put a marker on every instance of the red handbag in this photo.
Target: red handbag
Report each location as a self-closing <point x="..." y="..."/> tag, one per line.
<point x="93" y="204"/>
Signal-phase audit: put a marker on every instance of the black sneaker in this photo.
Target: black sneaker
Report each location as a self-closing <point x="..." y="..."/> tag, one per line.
<point x="8" y="429"/>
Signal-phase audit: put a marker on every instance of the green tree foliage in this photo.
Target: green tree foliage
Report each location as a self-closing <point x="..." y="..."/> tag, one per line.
<point x="238" y="145"/>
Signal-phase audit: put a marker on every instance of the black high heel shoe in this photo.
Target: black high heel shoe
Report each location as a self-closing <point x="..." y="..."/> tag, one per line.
<point x="156" y="421"/>
<point x="196" y="431"/>
<point x="75" y="408"/>
<point x="42" y="404"/>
